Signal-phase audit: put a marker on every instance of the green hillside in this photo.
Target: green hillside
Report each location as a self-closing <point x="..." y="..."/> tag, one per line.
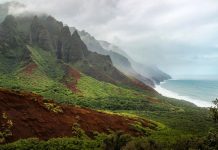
<point x="40" y="55"/>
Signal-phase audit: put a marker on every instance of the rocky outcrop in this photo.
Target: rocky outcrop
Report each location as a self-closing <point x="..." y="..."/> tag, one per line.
<point x="79" y="49"/>
<point x="51" y="35"/>
<point x="92" y="44"/>
<point x="40" y="35"/>
<point x="8" y="30"/>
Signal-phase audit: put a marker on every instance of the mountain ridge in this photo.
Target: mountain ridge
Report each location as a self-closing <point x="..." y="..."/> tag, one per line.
<point x="147" y="70"/>
<point x="66" y="47"/>
<point x="118" y="60"/>
<point x="122" y="61"/>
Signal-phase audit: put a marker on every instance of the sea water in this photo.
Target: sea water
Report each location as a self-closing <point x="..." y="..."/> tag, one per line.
<point x="199" y="92"/>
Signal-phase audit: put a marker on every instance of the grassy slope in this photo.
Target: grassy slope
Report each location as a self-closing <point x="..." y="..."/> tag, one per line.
<point x="46" y="79"/>
<point x="180" y="118"/>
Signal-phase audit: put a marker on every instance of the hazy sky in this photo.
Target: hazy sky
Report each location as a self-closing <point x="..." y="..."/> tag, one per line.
<point x="179" y="36"/>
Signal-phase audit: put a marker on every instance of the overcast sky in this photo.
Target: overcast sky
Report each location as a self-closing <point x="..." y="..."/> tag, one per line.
<point x="179" y="36"/>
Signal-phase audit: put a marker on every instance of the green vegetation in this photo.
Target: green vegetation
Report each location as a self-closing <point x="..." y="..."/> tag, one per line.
<point x="176" y="124"/>
<point x="54" y="144"/>
<point x="45" y="78"/>
<point x="78" y="132"/>
<point x="92" y="88"/>
<point x="138" y="127"/>
<point x="114" y="141"/>
<point x="5" y="128"/>
<point x="179" y="119"/>
<point x="53" y="107"/>
<point x="214" y="111"/>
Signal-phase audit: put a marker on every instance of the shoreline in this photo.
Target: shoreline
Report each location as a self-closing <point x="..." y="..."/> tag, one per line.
<point x="171" y="94"/>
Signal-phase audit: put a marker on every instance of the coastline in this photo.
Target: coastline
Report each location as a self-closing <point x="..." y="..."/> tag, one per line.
<point x="171" y="94"/>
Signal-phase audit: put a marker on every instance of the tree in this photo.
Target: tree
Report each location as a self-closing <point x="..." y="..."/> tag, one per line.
<point x="116" y="141"/>
<point x="214" y="111"/>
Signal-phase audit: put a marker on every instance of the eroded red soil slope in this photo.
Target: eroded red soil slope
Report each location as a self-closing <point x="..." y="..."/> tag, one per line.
<point x="71" y="78"/>
<point x="31" y="118"/>
<point x="29" y="69"/>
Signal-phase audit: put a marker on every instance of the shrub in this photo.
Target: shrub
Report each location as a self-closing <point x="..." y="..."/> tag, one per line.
<point x="5" y="128"/>
<point x="214" y="111"/>
<point x="139" y="127"/>
<point x="78" y="132"/>
<point x="141" y="144"/>
<point x="53" y="107"/>
<point x="116" y="141"/>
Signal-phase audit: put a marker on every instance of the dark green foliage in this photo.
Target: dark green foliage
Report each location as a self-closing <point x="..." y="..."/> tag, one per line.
<point x="211" y="140"/>
<point x="214" y="111"/>
<point x="142" y="144"/>
<point x="116" y="141"/>
<point x="139" y="127"/>
<point x="54" y="144"/>
<point x="77" y="131"/>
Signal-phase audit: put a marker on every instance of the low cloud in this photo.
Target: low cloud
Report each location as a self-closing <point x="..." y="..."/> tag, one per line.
<point x="178" y="36"/>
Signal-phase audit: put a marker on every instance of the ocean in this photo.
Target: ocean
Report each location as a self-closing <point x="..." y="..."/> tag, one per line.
<point x="199" y="92"/>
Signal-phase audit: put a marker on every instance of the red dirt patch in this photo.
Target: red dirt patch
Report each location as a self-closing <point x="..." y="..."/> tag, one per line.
<point x="30" y="68"/>
<point x="153" y="99"/>
<point x="71" y="78"/>
<point x="141" y="85"/>
<point x="31" y="118"/>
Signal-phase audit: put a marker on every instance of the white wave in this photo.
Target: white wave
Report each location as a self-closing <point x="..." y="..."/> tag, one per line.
<point x="171" y="94"/>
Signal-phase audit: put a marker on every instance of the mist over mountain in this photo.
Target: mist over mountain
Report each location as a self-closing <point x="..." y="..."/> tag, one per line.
<point x="9" y="8"/>
<point x="148" y="70"/>
<point x="119" y="61"/>
<point x="122" y="61"/>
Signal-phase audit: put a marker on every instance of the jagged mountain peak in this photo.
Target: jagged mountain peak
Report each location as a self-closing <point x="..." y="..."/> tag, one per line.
<point x="9" y="22"/>
<point x="65" y="31"/>
<point x="51" y="19"/>
<point x="75" y="34"/>
<point x="90" y="42"/>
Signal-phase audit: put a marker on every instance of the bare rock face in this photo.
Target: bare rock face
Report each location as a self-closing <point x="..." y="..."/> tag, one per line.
<point x="7" y="31"/>
<point x="40" y="35"/>
<point x="11" y="38"/>
<point x="80" y="50"/>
